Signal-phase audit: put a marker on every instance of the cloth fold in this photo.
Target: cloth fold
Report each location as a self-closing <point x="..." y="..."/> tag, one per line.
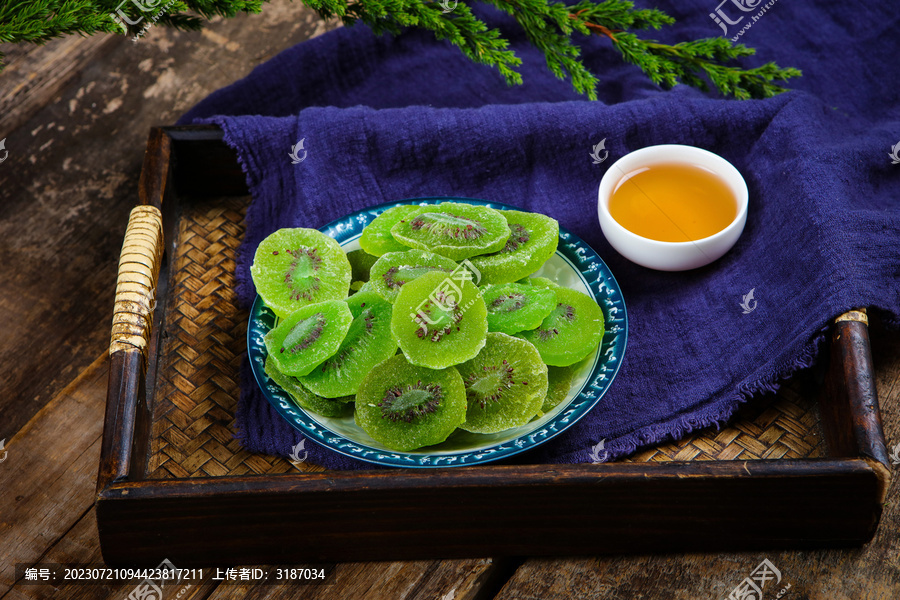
<point x="823" y="229"/>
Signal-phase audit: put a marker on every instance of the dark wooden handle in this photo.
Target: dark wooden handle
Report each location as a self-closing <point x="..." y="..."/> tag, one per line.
<point x="850" y="416"/>
<point x="126" y="406"/>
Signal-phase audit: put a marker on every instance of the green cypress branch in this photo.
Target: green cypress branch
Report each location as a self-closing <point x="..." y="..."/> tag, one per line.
<point x="549" y="26"/>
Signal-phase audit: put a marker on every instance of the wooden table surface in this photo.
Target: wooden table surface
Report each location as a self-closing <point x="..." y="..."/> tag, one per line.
<point x="75" y="114"/>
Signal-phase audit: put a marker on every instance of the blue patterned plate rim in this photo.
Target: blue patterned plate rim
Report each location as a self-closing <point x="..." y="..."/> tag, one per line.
<point x="584" y="263"/>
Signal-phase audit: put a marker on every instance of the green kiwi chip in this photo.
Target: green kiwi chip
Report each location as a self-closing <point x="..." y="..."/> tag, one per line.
<point x="406" y="407"/>
<point x="394" y="269"/>
<point x="532" y="241"/>
<point x="540" y="282"/>
<point x="456" y="231"/>
<point x="571" y="331"/>
<point x="559" y="383"/>
<point x="419" y="351"/>
<point x="376" y="237"/>
<point x="367" y="287"/>
<point x="505" y="384"/>
<point x="514" y="307"/>
<point x="302" y="397"/>
<point x="305" y="339"/>
<point x="439" y="319"/>
<point x="367" y="343"/>
<point x="296" y="267"/>
<point x="360" y="264"/>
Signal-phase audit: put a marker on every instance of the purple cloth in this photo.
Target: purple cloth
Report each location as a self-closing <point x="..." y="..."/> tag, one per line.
<point x="822" y="235"/>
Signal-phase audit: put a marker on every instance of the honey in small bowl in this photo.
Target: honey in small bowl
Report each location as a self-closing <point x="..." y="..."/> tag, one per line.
<point x="673" y="202"/>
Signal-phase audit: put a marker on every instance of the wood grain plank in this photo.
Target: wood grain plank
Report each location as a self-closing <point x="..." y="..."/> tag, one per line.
<point x="71" y="178"/>
<point x="415" y="580"/>
<point x="81" y="402"/>
<point x="81" y="545"/>
<point x="50" y="473"/>
<point x="869" y="573"/>
<point x="656" y="506"/>
<point x="419" y="580"/>
<point x="35" y="74"/>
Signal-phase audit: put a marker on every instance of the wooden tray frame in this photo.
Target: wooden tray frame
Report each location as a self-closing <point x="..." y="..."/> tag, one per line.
<point x="523" y="510"/>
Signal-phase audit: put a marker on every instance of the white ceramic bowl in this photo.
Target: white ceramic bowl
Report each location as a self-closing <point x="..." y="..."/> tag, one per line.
<point x="671" y="256"/>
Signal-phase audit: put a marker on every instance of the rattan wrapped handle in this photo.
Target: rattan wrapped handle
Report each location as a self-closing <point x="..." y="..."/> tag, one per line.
<point x="854" y="315"/>
<point x="136" y="282"/>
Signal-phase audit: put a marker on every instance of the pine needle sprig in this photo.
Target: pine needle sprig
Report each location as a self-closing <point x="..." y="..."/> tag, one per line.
<point x="685" y="62"/>
<point x="549" y="26"/>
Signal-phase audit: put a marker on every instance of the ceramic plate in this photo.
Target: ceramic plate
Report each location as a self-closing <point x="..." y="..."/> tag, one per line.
<point x="575" y="265"/>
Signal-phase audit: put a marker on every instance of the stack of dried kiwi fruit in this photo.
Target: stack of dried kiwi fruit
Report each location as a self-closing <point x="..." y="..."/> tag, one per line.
<point x="399" y="334"/>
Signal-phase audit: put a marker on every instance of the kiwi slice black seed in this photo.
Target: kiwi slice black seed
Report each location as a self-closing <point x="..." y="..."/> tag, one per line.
<point x="505" y="384"/>
<point x="439" y="320"/>
<point x="456" y="231"/>
<point x="533" y="239"/>
<point x="296" y="267"/>
<point x="515" y="307"/>
<point x="405" y="407"/>
<point x="394" y="269"/>
<point x="572" y="330"/>
<point x="310" y="335"/>
<point x="367" y="343"/>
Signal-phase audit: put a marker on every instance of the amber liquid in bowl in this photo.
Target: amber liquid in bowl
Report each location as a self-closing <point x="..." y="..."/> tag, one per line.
<point x="673" y="203"/>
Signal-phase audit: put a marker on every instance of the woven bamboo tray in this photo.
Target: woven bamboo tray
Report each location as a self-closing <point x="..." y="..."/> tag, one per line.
<point x="169" y="449"/>
<point x="205" y="337"/>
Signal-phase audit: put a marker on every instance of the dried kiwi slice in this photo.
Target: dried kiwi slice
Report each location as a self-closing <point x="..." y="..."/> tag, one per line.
<point x="406" y="407"/>
<point x="515" y="307"/>
<point x="559" y="380"/>
<point x="360" y="264"/>
<point x="394" y="269"/>
<point x="302" y="397"/>
<point x="376" y="237"/>
<point x="302" y="341"/>
<point x="367" y="287"/>
<point x="570" y="332"/>
<point x="454" y="230"/>
<point x="296" y="267"/>
<point x="439" y="320"/>
<point x="505" y="384"/>
<point x="367" y="343"/>
<point x="540" y="282"/>
<point x="532" y="241"/>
